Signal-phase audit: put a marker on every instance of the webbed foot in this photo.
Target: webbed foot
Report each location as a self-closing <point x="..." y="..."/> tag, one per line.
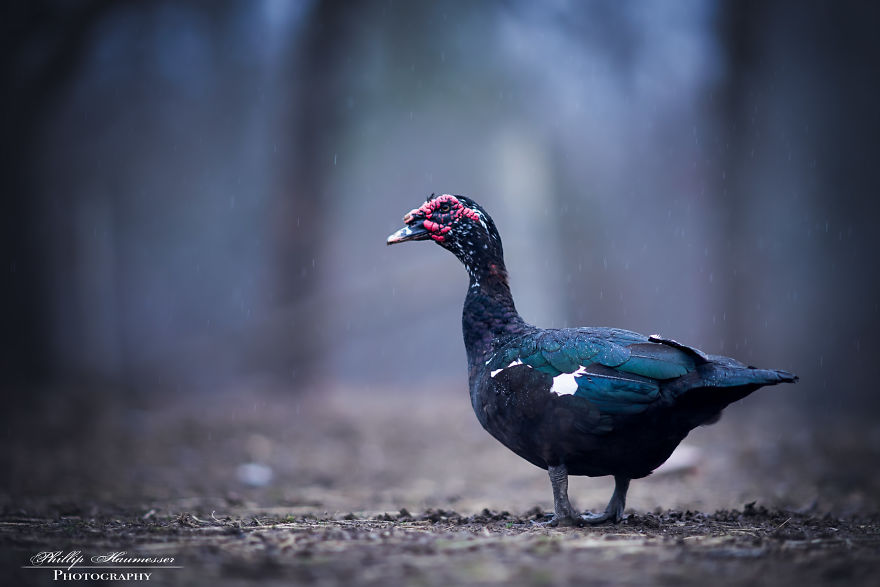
<point x="596" y="519"/>
<point x="563" y="513"/>
<point x="614" y="510"/>
<point x="557" y="520"/>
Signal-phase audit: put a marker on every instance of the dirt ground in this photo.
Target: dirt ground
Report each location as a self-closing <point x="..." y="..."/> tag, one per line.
<point x="378" y="487"/>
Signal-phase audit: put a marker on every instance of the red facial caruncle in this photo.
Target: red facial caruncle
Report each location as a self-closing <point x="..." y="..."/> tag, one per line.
<point x="439" y="214"/>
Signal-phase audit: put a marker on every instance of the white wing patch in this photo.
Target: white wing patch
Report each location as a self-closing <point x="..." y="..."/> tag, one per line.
<point x="565" y="384"/>
<point x="497" y="371"/>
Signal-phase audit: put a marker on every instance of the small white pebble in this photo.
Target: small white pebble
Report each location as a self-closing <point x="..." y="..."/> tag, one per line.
<point x="254" y="474"/>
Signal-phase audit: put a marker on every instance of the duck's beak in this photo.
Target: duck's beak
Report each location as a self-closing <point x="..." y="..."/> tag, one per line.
<point x="413" y="231"/>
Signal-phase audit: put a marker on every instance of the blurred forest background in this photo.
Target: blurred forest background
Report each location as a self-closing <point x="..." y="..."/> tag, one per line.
<point x="198" y="193"/>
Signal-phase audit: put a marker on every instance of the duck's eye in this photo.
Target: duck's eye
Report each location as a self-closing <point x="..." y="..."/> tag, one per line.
<point x="444" y="208"/>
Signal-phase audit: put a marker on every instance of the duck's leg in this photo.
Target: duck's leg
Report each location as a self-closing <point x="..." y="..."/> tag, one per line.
<point x="614" y="509"/>
<point x="563" y="513"/>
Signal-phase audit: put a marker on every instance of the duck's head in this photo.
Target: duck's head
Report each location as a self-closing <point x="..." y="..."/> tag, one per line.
<point x="456" y="223"/>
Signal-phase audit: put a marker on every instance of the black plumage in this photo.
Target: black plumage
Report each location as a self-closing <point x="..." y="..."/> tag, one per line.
<point x="574" y="401"/>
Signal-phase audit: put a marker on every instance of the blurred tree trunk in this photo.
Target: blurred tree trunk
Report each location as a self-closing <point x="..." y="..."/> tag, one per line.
<point x="800" y="125"/>
<point x="43" y="45"/>
<point x="312" y="123"/>
<point x="741" y="25"/>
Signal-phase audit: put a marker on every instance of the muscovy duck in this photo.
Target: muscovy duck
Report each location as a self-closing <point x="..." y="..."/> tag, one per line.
<point x="574" y="401"/>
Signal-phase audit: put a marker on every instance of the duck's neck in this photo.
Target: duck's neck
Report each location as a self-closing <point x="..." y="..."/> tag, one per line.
<point x="489" y="316"/>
